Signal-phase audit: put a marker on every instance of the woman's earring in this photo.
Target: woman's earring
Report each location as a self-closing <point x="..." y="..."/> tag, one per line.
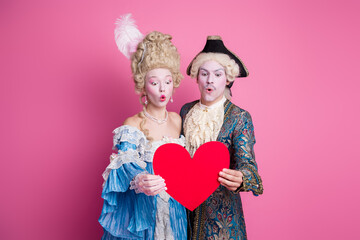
<point x="146" y="101"/>
<point x="171" y="99"/>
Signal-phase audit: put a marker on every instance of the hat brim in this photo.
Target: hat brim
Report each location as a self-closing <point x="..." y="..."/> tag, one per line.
<point x="217" y="46"/>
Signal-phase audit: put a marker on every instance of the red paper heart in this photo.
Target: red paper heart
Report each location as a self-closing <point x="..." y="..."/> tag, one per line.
<point x="191" y="181"/>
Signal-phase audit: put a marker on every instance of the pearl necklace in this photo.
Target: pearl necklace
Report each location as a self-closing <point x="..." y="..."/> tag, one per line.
<point x="158" y="121"/>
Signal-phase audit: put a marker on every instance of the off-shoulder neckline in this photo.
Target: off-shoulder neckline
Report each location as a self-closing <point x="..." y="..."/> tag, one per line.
<point x="155" y="141"/>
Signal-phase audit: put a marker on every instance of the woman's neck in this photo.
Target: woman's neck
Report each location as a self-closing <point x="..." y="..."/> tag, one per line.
<point x="156" y="112"/>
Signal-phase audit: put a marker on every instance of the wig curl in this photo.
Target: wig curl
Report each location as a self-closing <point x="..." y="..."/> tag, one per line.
<point x="155" y="51"/>
<point x="231" y="67"/>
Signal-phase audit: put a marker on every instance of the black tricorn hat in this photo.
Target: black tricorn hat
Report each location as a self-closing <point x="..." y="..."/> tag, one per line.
<point x="214" y="44"/>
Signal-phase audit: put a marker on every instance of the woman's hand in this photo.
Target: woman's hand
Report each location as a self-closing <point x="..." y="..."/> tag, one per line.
<point x="231" y="179"/>
<point x="148" y="184"/>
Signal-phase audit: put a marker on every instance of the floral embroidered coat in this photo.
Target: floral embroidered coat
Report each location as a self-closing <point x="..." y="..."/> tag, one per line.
<point x="221" y="215"/>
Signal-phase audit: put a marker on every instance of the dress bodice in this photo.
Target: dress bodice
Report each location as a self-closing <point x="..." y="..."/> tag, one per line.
<point x="130" y="140"/>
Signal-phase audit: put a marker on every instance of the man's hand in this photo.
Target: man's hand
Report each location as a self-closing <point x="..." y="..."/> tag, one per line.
<point x="231" y="179"/>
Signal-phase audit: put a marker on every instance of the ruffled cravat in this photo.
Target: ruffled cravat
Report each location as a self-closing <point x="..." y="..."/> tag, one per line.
<point x="202" y="124"/>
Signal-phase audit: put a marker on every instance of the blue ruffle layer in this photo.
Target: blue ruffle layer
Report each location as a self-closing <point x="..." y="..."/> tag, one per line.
<point x="125" y="214"/>
<point x="123" y="207"/>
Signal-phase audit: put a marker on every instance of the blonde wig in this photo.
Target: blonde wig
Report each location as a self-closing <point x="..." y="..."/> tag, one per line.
<point x="155" y="51"/>
<point x="231" y="67"/>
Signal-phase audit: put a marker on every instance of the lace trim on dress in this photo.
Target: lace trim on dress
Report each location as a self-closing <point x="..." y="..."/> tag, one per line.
<point x="162" y="225"/>
<point x="149" y="153"/>
<point x="117" y="160"/>
<point x="128" y="134"/>
<point x="135" y="182"/>
<point x="133" y="136"/>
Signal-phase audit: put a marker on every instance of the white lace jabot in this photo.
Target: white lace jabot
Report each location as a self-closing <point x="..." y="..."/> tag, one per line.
<point x="202" y="124"/>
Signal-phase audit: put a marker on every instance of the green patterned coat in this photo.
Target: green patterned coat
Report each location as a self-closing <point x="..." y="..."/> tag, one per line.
<point x="221" y="215"/>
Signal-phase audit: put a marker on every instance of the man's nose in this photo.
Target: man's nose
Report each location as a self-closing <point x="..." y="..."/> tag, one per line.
<point x="210" y="79"/>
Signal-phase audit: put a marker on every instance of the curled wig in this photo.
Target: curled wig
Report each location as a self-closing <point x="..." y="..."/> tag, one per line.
<point x="231" y="67"/>
<point x="155" y="51"/>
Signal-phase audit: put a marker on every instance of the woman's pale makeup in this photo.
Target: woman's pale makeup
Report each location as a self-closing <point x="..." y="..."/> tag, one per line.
<point x="159" y="86"/>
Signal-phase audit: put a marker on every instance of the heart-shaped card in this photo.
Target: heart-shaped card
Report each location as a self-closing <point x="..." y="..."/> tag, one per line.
<point x="190" y="181"/>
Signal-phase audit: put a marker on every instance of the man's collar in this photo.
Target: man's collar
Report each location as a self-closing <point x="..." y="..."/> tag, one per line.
<point x="215" y="105"/>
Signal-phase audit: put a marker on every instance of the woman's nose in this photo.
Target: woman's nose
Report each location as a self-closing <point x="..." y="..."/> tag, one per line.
<point x="162" y="88"/>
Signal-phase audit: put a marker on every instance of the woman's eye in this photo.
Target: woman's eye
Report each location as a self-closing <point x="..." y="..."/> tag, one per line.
<point x="204" y="74"/>
<point x="154" y="83"/>
<point x="168" y="82"/>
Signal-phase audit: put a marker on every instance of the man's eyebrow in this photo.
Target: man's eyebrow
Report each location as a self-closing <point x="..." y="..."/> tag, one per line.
<point x="220" y="69"/>
<point x="204" y="69"/>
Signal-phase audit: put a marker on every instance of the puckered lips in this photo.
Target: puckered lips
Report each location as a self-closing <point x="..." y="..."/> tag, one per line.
<point x="162" y="98"/>
<point x="209" y="89"/>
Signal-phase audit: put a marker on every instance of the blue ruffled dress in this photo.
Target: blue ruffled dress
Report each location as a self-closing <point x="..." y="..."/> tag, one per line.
<point x="130" y="215"/>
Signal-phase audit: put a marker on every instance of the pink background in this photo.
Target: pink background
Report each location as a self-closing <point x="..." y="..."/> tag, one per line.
<point x="65" y="87"/>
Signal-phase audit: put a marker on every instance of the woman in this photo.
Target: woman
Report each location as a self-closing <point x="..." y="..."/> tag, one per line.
<point x="136" y="205"/>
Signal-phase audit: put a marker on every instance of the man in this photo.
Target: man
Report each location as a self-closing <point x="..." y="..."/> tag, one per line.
<point x="215" y="118"/>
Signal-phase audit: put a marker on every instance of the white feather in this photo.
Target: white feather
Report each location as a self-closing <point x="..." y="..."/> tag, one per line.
<point x="127" y="35"/>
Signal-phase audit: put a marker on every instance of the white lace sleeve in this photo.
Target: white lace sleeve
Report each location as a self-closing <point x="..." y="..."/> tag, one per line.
<point x="134" y="184"/>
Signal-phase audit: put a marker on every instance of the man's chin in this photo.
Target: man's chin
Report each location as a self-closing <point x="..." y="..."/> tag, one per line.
<point x="208" y="100"/>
